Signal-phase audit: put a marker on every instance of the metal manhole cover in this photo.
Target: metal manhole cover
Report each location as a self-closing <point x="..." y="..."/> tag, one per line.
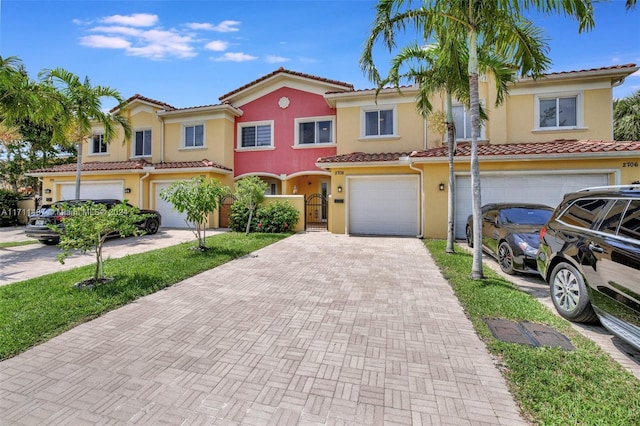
<point x="527" y="333"/>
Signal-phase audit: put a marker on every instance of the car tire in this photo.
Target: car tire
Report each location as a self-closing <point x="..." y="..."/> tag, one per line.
<point x="469" y="235"/>
<point x="505" y="258"/>
<point x="569" y="294"/>
<point x="151" y="227"/>
<point x="49" y="242"/>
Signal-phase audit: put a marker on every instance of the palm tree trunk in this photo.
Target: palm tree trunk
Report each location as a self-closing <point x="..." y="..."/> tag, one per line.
<point x="476" y="268"/>
<point x="78" y="169"/>
<point x="451" y="141"/>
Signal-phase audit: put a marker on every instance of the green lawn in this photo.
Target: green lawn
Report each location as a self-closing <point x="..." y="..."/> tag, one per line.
<point x="35" y="310"/>
<point x="18" y="243"/>
<point x="552" y="386"/>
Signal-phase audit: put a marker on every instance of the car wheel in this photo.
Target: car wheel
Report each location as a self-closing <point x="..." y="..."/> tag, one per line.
<point x="151" y="227"/>
<point x="505" y="258"/>
<point x="569" y="294"/>
<point x="469" y="235"/>
<point x="49" y="242"/>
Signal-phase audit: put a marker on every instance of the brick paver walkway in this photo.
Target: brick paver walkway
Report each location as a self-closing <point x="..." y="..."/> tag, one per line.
<point x="316" y="329"/>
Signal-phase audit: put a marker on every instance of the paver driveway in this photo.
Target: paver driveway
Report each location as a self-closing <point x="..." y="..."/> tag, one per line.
<point x="317" y="328"/>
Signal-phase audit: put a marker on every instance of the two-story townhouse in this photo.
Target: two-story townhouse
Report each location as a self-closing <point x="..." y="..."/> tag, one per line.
<point x="375" y="165"/>
<point x="551" y="136"/>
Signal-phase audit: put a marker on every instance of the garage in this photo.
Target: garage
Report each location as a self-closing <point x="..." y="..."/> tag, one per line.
<point x="386" y="205"/>
<point x="93" y="190"/>
<point x="542" y="188"/>
<point x="170" y="217"/>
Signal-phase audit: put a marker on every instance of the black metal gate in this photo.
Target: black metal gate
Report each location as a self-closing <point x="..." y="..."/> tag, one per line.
<point x="316" y="213"/>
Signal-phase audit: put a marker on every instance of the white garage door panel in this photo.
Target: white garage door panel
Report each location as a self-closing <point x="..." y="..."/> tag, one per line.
<point x="92" y="190"/>
<point x="170" y="217"/>
<point x="383" y="206"/>
<point x="525" y="188"/>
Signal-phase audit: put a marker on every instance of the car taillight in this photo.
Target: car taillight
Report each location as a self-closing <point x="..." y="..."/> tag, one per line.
<point x="543" y="232"/>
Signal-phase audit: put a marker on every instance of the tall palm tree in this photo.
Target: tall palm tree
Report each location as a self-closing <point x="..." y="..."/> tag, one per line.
<point x="81" y="105"/>
<point x="435" y="68"/>
<point x="626" y="118"/>
<point x="497" y="26"/>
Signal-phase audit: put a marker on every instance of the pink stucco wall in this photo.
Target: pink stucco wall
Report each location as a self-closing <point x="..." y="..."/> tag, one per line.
<point x="283" y="159"/>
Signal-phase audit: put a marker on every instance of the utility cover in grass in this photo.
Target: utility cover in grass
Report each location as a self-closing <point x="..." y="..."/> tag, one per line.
<point x="527" y="333"/>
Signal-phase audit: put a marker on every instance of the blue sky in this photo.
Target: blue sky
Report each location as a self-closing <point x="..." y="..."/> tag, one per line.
<point x="189" y="53"/>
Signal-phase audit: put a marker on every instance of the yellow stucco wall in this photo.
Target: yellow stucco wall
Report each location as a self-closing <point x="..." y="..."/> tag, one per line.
<point x="410" y="130"/>
<point x="218" y="142"/>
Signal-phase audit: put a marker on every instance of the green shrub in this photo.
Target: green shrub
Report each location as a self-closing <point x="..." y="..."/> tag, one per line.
<point x="8" y="207"/>
<point x="276" y="217"/>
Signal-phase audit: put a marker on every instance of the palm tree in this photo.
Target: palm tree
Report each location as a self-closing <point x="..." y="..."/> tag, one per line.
<point x="435" y="68"/>
<point x="81" y="104"/>
<point x="626" y="118"/>
<point x="497" y="26"/>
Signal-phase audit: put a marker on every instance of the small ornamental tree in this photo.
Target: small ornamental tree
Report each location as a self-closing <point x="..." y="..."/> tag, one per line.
<point x="198" y="197"/>
<point x="86" y="227"/>
<point x="249" y="194"/>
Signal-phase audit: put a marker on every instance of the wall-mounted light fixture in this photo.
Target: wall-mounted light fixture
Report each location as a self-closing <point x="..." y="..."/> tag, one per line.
<point x="339" y="189"/>
<point x="47" y="191"/>
<point x="295" y="189"/>
<point x="127" y="190"/>
<point x="441" y="187"/>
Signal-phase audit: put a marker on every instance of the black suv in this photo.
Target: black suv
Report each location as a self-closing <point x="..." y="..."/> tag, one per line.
<point x="590" y="256"/>
<point x="38" y="224"/>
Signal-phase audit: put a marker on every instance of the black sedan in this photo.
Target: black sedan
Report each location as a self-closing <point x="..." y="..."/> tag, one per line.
<point x="38" y="224"/>
<point x="510" y="233"/>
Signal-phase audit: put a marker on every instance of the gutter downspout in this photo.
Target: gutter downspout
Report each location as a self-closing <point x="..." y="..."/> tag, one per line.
<point x="140" y="198"/>
<point x="412" y="167"/>
<point x="161" y="139"/>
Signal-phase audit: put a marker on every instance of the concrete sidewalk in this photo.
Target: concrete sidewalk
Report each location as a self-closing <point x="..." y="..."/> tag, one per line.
<point x="315" y="329"/>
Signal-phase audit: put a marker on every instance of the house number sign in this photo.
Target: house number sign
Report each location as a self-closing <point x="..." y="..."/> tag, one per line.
<point x="630" y="164"/>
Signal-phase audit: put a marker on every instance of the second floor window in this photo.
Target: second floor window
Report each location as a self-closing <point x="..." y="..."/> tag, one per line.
<point x="315" y="132"/>
<point x="558" y="112"/>
<point x="462" y="119"/>
<point x="98" y="145"/>
<point x="142" y="143"/>
<point x="255" y="136"/>
<point x="378" y="122"/>
<point x="194" y="136"/>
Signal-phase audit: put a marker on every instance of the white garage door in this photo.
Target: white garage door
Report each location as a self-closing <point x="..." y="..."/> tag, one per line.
<point x="170" y="217"/>
<point x="526" y="188"/>
<point x="383" y="205"/>
<point x="92" y="190"/>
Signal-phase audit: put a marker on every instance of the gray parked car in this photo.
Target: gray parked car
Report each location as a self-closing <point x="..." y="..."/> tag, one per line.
<point x="38" y="224"/>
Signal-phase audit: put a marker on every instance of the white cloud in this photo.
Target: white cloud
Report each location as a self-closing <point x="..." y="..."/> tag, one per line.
<point x="200" y="26"/>
<point x="273" y="59"/>
<point x="235" y="57"/>
<point x="105" y="42"/>
<point x="217" y="45"/>
<point x="133" y="20"/>
<point x="226" y="27"/>
<point x="117" y="30"/>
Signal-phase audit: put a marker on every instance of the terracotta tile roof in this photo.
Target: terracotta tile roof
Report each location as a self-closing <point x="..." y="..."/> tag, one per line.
<point x="610" y="68"/>
<point x="560" y="147"/>
<point x="128" y="165"/>
<point x="137" y="96"/>
<point x="362" y="157"/>
<point x="285" y="71"/>
<point x="189" y="165"/>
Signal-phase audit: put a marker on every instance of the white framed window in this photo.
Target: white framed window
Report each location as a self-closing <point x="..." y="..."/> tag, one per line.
<point x="558" y="111"/>
<point x="379" y="122"/>
<point x="255" y="135"/>
<point x="193" y="135"/>
<point x="98" y="145"/>
<point x="462" y="120"/>
<point x="310" y="131"/>
<point x="142" y="143"/>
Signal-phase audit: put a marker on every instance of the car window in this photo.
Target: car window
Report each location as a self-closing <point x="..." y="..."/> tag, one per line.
<point x="583" y="212"/>
<point x="525" y="216"/>
<point x="611" y="221"/>
<point x="630" y="225"/>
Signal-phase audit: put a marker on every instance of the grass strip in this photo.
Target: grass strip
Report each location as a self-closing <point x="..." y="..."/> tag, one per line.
<point x="18" y="243"/>
<point x="34" y="310"/>
<point x="551" y="385"/>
